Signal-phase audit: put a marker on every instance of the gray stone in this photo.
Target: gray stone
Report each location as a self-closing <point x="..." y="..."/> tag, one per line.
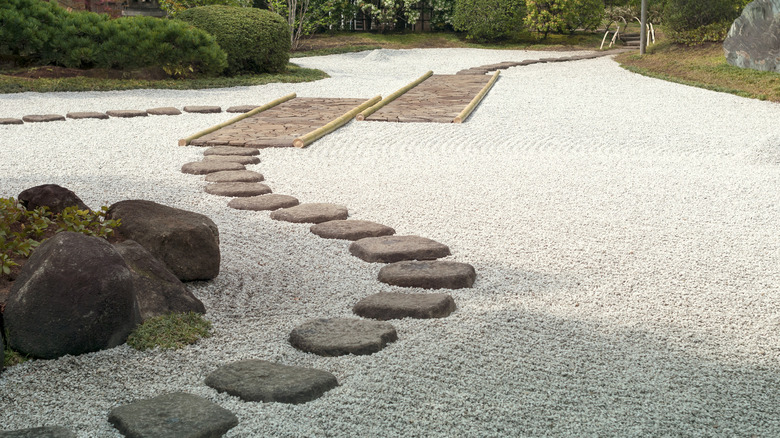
<point x="435" y="274"/>
<point x="389" y="249"/>
<point x="176" y="415"/>
<point x="241" y="108"/>
<point x="202" y="109"/>
<point x="87" y="115"/>
<point x="52" y="196"/>
<point x="350" y="229"/>
<point x="206" y="167"/>
<point x="11" y="121"/>
<point x="38" y="118"/>
<point x="386" y="305"/>
<point x="262" y="381"/>
<point x="38" y="432"/>
<point x="314" y="213"/>
<point x="239" y="189"/>
<point x="127" y="113"/>
<point x="241" y="159"/>
<point x="234" y="176"/>
<point x="2" y="344"/>
<point x="263" y="202"/>
<point x="163" y="111"/>
<point x="230" y="150"/>
<point x="341" y="336"/>
<point x="754" y="38"/>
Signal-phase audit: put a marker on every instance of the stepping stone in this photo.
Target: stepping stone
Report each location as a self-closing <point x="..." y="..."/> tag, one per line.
<point x="127" y="113"/>
<point x="241" y="108"/>
<point x="385" y="305"/>
<point x="436" y="274"/>
<point x="242" y="159"/>
<point x="263" y="203"/>
<point x="234" y="176"/>
<point x="389" y="249"/>
<point x="350" y="229"/>
<point x="205" y="167"/>
<point x="230" y="150"/>
<point x="38" y="432"/>
<point x="38" y="118"/>
<point x="87" y="115"/>
<point x="164" y="111"/>
<point x="240" y="189"/>
<point x="202" y="109"/>
<point x="341" y="336"/>
<point x="173" y="415"/>
<point x="313" y="213"/>
<point x="9" y="121"/>
<point x="263" y="381"/>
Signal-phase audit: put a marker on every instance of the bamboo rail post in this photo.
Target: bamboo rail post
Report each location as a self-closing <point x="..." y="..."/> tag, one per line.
<point x="367" y="112"/>
<point x="269" y="105"/>
<point x="318" y="133"/>
<point x="460" y="118"/>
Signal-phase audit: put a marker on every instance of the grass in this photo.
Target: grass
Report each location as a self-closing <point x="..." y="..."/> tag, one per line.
<point x="170" y="332"/>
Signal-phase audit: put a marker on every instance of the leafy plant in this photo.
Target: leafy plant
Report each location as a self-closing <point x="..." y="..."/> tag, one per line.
<point x="87" y="222"/>
<point x="488" y="20"/>
<point x="547" y="16"/>
<point x="170" y="332"/>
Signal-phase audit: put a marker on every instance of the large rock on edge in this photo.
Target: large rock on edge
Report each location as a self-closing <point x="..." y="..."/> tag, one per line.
<point x="55" y="197"/>
<point x="753" y="40"/>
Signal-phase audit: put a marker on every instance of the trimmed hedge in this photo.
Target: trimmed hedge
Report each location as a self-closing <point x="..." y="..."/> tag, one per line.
<point x="488" y="20"/>
<point x="256" y="40"/>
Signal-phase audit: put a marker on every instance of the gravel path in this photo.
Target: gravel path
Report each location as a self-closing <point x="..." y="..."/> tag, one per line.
<point x="624" y="231"/>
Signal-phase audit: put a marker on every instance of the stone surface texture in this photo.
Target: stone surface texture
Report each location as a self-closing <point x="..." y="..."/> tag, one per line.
<point x="38" y="432"/>
<point x="163" y="111"/>
<point x="56" y="198"/>
<point x="263" y="202"/>
<point x="230" y="150"/>
<point x="389" y="249"/>
<point x="240" y="189"/>
<point x="434" y="274"/>
<point x="39" y="118"/>
<point x="241" y="108"/>
<point x="350" y="229"/>
<point x="234" y="176"/>
<point x="388" y="305"/>
<point x="87" y="115"/>
<point x="241" y="159"/>
<point x="754" y="38"/>
<point x="11" y="121"/>
<point x="313" y="213"/>
<point x="202" y="109"/>
<point x="127" y="113"/>
<point x="206" y="167"/>
<point x="341" y="336"/>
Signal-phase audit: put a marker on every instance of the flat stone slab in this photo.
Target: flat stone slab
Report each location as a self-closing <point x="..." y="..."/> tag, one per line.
<point x="87" y="115"/>
<point x="202" y="109"/>
<point x="263" y="381"/>
<point x="389" y="249"/>
<point x="240" y="189"/>
<point x="234" y="176"/>
<point x="263" y="203"/>
<point x="350" y="229"/>
<point x="127" y="113"/>
<point x="11" y="121"/>
<point x="206" y="167"/>
<point x="39" y="432"/>
<point x="177" y="415"/>
<point x="313" y="213"/>
<point x="386" y="305"/>
<point x="241" y="108"/>
<point x="242" y="159"/>
<point x="341" y="336"/>
<point x="39" y="118"/>
<point x="435" y="274"/>
<point x="231" y="150"/>
<point x="164" y="111"/>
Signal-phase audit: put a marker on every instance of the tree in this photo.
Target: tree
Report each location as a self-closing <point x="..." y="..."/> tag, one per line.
<point x="547" y="16"/>
<point x="488" y="20"/>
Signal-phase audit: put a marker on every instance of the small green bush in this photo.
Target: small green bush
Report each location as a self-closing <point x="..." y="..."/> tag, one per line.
<point x="488" y="20"/>
<point x="714" y="32"/>
<point x="256" y="40"/>
<point x="170" y="332"/>
<point x="682" y="16"/>
<point x="563" y="16"/>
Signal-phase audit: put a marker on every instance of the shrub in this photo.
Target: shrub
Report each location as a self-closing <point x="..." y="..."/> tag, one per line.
<point x="255" y="40"/>
<point x="688" y="15"/>
<point x="488" y="20"/>
<point x="173" y="7"/>
<point x="170" y="332"/>
<point x="26" y="27"/>
<point x="547" y="16"/>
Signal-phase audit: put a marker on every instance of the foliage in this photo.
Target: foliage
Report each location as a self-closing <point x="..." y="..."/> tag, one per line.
<point x="170" y="332"/>
<point x="305" y="17"/>
<point x="255" y="40"/>
<point x="172" y="7"/>
<point x="87" y="222"/>
<point x="388" y="15"/>
<point x="713" y="32"/>
<point x="11" y="357"/>
<point x="547" y="16"/>
<point x="488" y="20"/>
<point x="688" y="15"/>
<point x="27" y="27"/>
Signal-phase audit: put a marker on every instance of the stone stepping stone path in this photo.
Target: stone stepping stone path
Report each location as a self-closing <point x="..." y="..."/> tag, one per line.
<point x="436" y="274"/>
<point x="241" y="159"/>
<point x="234" y="176"/>
<point x="172" y="415"/>
<point x="240" y="189"/>
<point x="40" y="118"/>
<point x="263" y="203"/>
<point x="38" y="432"/>
<point x="262" y="381"/>
<point x="341" y="336"/>
<point x="389" y="249"/>
<point x="11" y="121"/>
<point x="164" y="111"/>
<point x="127" y="113"/>
<point x="241" y="108"/>
<point x="387" y="305"/>
<point x="87" y="115"/>
<point x="231" y="150"/>
<point x="350" y="229"/>
<point x="201" y="109"/>
<point x="206" y="167"/>
<point x="313" y="213"/>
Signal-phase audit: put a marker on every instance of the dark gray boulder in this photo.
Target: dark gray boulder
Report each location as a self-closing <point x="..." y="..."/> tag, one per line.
<point x="2" y="344"/>
<point x="55" y="197"/>
<point x="754" y="38"/>
<point x="38" y="432"/>
<point x="340" y="336"/>
<point x="74" y="295"/>
<point x="187" y="242"/>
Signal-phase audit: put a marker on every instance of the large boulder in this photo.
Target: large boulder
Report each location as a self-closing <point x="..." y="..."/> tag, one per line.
<point x="754" y="38"/>
<point x="55" y="197"/>
<point x="187" y="242"/>
<point x="157" y="291"/>
<point x="74" y="295"/>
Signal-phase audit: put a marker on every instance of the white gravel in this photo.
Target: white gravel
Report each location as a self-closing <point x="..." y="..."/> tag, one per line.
<point x="624" y="231"/>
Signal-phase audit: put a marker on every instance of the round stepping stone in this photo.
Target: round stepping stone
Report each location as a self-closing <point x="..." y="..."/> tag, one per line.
<point x="202" y="109"/>
<point x="240" y="189"/>
<point x="241" y="108"/>
<point x="385" y="305"/>
<point x="242" y="159"/>
<point x="87" y="115"/>
<point x="350" y="229"/>
<point x="206" y="167"/>
<point x="230" y="150"/>
<point x="38" y="432"/>
<point x="9" y="121"/>
<point x="164" y="111"/>
<point x="263" y="203"/>
<point x="263" y="381"/>
<point x="39" y="118"/>
<point x="172" y="415"/>
<point x="436" y="274"/>
<point x="234" y="176"/>
<point x="127" y="113"/>
<point x="313" y="213"/>
<point x="389" y="249"/>
<point x="341" y="336"/>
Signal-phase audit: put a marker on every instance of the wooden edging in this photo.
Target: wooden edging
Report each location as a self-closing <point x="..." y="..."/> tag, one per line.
<point x="460" y="118"/>
<point x="186" y="141"/>
<point x="362" y="116"/>
<point x="318" y="133"/>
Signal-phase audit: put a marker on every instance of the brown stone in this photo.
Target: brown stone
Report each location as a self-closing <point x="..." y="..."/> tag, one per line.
<point x="350" y="229"/>
<point x="432" y="274"/>
<point x="389" y="249"/>
<point x="202" y="109"/>
<point x="241" y="159"/>
<point x="164" y="111"/>
<point x="263" y="202"/>
<point x="234" y="176"/>
<point x="386" y="305"/>
<point x="10" y="121"/>
<point x="241" y="108"/>
<point x="205" y="167"/>
<point x="341" y="336"/>
<point x="38" y="118"/>
<point x="240" y="189"/>
<point x="87" y="115"/>
<point x="127" y="113"/>
<point x="311" y="213"/>
<point x="230" y="150"/>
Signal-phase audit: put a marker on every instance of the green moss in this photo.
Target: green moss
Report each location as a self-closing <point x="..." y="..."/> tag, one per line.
<point x="170" y="332"/>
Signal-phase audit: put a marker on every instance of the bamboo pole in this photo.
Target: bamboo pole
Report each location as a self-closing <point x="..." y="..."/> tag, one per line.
<point x="318" y="133"/>
<point x="475" y="101"/>
<point x="362" y="116"/>
<point x="186" y="141"/>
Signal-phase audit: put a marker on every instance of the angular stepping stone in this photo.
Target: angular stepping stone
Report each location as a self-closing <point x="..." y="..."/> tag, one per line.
<point x="242" y="159"/>
<point x="172" y="415"/>
<point x="202" y="109"/>
<point x="38" y="432"/>
<point x="230" y="150"/>
<point x="164" y="111"/>
<point x="341" y="336"/>
<point x="241" y="108"/>
<point x="127" y="113"/>
<point x="313" y="213"/>
<point x="389" y="249"/>
<point x="436" y="274"/>
<point x="263" y="381"/>
<point x="240" y="189"/>
<point x="9" y="121"/>
<point x="39" y="118"/>
<point x="87" y="115"/>
<point x="263" y="203"/>
<point x="350" y="229"/>
<point x="205" y="167"/>
<point x="234" y="176"/>
<point x="386" y="305"/>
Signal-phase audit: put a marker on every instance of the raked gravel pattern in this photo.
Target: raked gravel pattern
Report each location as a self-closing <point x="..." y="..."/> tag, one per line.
<point x="624" y="231"/>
